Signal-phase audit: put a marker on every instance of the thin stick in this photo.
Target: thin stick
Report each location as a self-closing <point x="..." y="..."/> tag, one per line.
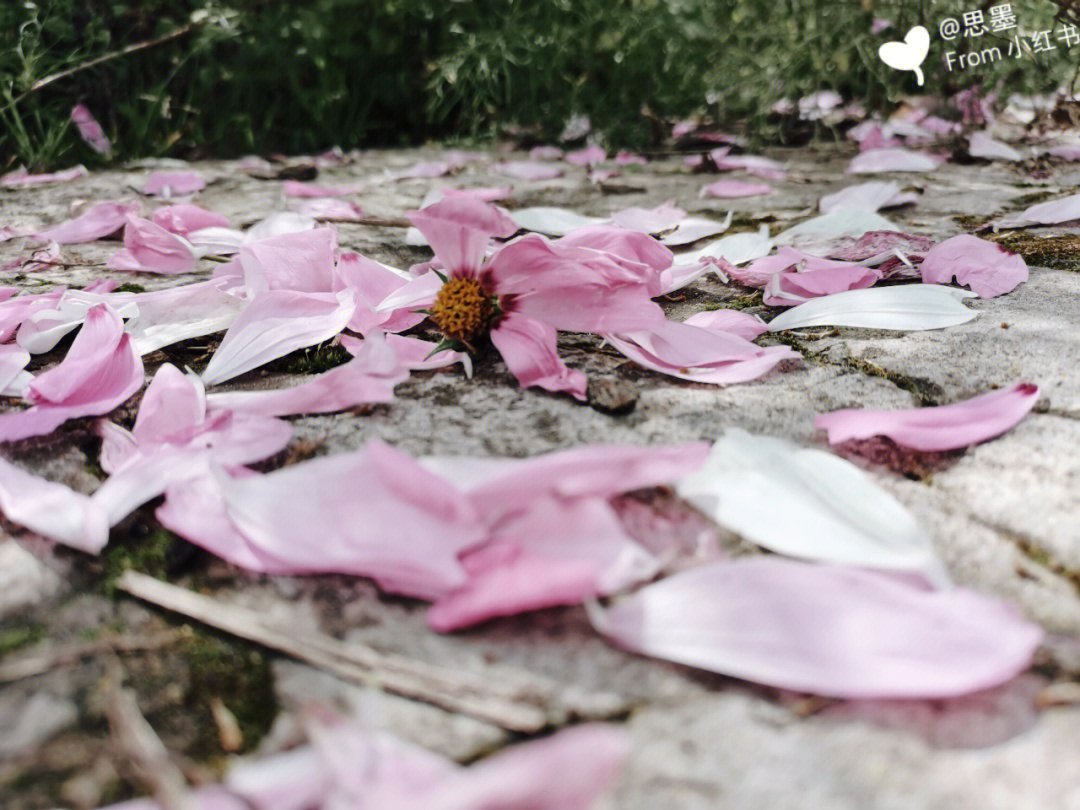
<point x="144" y="750"/>
<point x="514" y="706"/>
<point x="107" y="57"/>
<point x="385" y="223"/>
<point x="31" y="665"/>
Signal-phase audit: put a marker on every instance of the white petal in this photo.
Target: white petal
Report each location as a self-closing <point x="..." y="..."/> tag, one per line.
<point x="905" y="308"/>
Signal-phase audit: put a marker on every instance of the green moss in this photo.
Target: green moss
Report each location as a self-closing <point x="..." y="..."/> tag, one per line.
<point x="754" y="299"/>
<point x="1031" y="199"/>
<point x="238" y="674"/>
<point x="315" y="360"/>
<point x="148" y="554"/>
<point x="970" y="222"/>
<point x="18" y="637"/>
<point x="128" y="287"/>
<point x="1058" y="252"/>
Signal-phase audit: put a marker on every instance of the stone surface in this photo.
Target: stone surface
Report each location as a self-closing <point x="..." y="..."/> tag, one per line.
<point x="1004" y="516"/>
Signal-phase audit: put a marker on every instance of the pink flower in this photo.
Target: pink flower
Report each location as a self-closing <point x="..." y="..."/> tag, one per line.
<point x="947" y="427"/>
<point x="528" y="289"/>
<point x="100" y="372"/>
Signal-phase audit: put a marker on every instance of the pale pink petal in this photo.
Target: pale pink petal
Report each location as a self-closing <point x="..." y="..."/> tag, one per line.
<point x="118" y="446"/>
<point x="624" y="158"/>
<point x="420" y="293"/>
<point x="529" y="349"/>
<point x="275" y="323"/>
<point x="172" y="403"/>
<point x="151" y="248"/>
<point x="559" y="552"/>
<point x="97" y="221"/>
<point x="302" y="261"/>
<point x="947" y="427"/>
<point x="789" y="289"/>
<point x="1051" y="212"/>
<point x="8" y="232"/>
<point x="743" y="324"/>
<point x="625" y="245"/>
<point x="101" y="371"/>
<point x="505" y="580"/>
<point x="44" y="329"/>
<point x="459" y="230"/>
<point x="331" y="209"/>
<point x="487" y="194"/>
<point x="875" y="246"/>
<point x="824" y="629"/>
<point x="895" y="159"/>
<point x="144" y="477"/>
<point x="51" y="510"/>
<point x="649" y="220"/>
<point x="759" y="166"/>
<point x="872" y="196"/>
<point x="374" y="513"/>
<point x="700" y="355"/>
<point x="503" y="489"/>
<point x="545" y="153"/>
<point x="179" y="313"/>
<point x="15" y="310"/>
<point x="981" y="145"/>
<point x="587" y="156"/>
<point x="369" y="377"/>
<point x="184" y="218"/>
<point x="986" y="267"/>
<point x="375" y="283"/>
<point x="528" y="170"/>
<point x="13" y="359"/>
<point x="172" y="184"/>
<point x="786" y="259"/>
<point x="294" y="188"/>
<point x="724" y="189"/>
<point x="19" y="177"/>
<point x="414" y="353"/>
<point x="90" y="130"/>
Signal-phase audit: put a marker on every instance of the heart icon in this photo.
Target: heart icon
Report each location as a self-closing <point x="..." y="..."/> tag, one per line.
<point x="909" y="54"/>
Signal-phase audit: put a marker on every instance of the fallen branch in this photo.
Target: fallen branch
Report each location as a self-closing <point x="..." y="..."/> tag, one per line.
<point x="516" y="706"/>
<point x="29" y="666"/>
<point x="144" y="751"/>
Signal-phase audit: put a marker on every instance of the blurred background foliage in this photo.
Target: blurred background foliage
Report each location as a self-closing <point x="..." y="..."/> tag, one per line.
<point x="262" y="76"/>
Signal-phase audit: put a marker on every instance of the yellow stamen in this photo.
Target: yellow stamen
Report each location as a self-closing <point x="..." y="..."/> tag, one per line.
<point x="462" y="309"/>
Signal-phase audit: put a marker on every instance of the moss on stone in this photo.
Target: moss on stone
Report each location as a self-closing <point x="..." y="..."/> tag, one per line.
<point x="148" y="554"/>
<point x="1057" y="252"/>
<point x="314" y="360"/>
<point x="15" y="638"/>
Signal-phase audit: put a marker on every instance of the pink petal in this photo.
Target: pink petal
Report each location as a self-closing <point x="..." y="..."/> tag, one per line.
<point x="331" y="209"/>
<point x="275" y="323"/>
<point x="414" y="353"/>
<point x="624" y="158"/>
<point x="302" y="261"/>
<point x="1051" y="212"/>
<point x="184" y="218"/>
<point x="947" y="427"/>
<point x="742" y="324"/>
<point x="725" y="189"/>
<point x="51" y="510"/>
<point x="90" y="130"/>
<point x="824" y="629"/>
<point x="487" y="194"/>
<point x="294" y="188"/>
<point x="896" y="159"/>
<point x="15" y="310"/>
<point x="151" y="248"/>
<point x="698" y="354"/>
<point x="545" y="153"/>
<point x="987" y="268"/>
<point x="626" y="246"/>
<point x="762" y="167"/>
<point x="788" y="289"/>
<point x="369" y="377"/>
<point x="8" y="232"/>
<point x="459" y="230"/>
<point x="584" y="157"/>
<point x="649" y="220"/>
<point x="505" y="580"/>
<point x="173" y="402"/>
<point x="375" y="283"/>
<point x="172" y="184"/>
<point x="179" y="313"/>
<point x="575" y="289"/>
<point x="529" y="349"/>
<point x="19" y="177"/>
<point x="374" y="513"/>
<point x="97" y="221"/>
<point x="504" y="489"/>
<point x="13" y="359"/>
<point x="786" y="259"/>
<point x="528" y="170"/>
<point x="101" y="371"/>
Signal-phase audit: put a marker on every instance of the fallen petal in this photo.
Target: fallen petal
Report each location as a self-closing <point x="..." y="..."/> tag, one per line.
<point x="986" y="267"/>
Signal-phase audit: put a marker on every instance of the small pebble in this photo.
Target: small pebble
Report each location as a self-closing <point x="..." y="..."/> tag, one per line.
<point x="609" y="395"/>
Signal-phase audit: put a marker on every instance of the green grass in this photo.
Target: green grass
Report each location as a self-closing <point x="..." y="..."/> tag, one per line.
<point x="271" y="75"/>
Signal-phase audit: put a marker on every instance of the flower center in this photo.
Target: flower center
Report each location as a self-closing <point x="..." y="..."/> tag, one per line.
<point x="462" y="309"/>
